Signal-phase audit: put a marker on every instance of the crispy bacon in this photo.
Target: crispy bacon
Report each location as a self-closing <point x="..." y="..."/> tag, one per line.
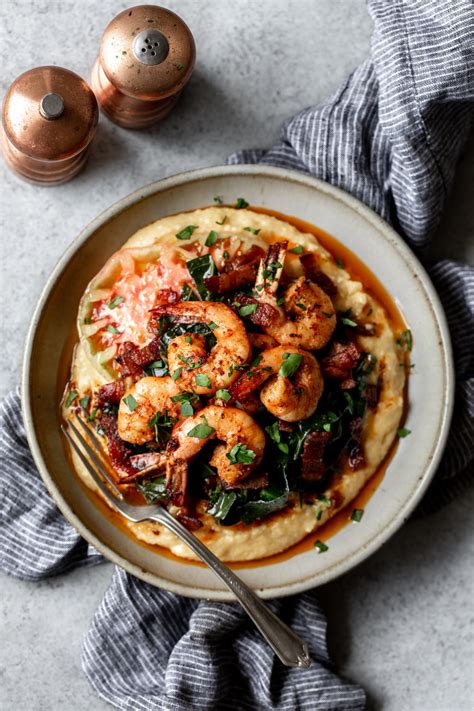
<point x="111" y="393"/>
<point x="119" y="451"/>
<point x="313" y="272"/>
<point x="312" y="464"/>
<point x="355" y="451"/>
<point x="264" y="315"/>
<point x="242" y="269"/>
<point x="134" y="359"/>
<point x="254" y="481"/>
<point x="191" y="522"/>
<point x="247" y="383"/>
<point x="177" y="481"/>
<point x="342" y="358"/>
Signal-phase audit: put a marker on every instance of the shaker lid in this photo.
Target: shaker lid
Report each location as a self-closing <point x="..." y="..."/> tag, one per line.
<point x="50" y="113"/>
<point x="147" y="52"/>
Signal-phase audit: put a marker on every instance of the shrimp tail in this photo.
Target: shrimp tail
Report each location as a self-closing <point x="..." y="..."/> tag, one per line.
<point x="177" y="481"/>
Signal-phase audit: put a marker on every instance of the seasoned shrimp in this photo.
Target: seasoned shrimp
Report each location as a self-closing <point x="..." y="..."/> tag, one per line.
<point x="140" y="403"/>
<point x="197" y="370"/>
<point x="308" y="318"/>
<point x="235" y="460"/>
<point x="289" y="397"/>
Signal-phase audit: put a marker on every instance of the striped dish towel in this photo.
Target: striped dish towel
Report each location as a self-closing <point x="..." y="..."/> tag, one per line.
<point x="391" y="137"/>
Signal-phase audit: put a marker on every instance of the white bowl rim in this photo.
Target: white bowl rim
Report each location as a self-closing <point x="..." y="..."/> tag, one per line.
<point x="408" y="257"/>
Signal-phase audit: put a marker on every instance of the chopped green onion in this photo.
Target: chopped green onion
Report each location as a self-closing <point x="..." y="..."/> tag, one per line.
<point x="403" y="432"/>
<point x="186" y="232"/>
<point x="356" y="515"/>
<point x="211" y="238"/>
<point x="115" y="302"/>
<point x="71" y="397"/>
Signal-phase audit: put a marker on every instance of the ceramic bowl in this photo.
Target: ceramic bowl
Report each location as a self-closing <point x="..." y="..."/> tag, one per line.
<point x="51" y="338"/>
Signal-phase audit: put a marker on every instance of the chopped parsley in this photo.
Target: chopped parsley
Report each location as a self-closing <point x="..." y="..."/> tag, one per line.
<point x="291" y="363"/>
<point x="176" y="374"/>
<point x="188" y="339"/>
<point x="153" y="490"/>
<point x="130" y="402"/>
<point x="240" y="454"/>
<point x="301" y="306"/>
<point x="322" y="547"/>
<point x="274" y="433"/>
<point x="186" y="232"/>
<point x="161" y="423"/>
<point x="248" y="309"/>
<point x="84" y="402"/>
<point x="356" y="515"/>
<point x="116" y="301"/>
<point x="253" y="230"/>
<point x="211" y="238"/>
<point x="203" y="380"/>
<point x="112" y="329"/>
<point x="403" y="432"/>
<point x="297" y="250"/>
<point x="218" y="200"/>
<point x="224" y="395"/>
<point x="201" y="431"/>
<point x="348" y="322"/>
<point x="223" y="221"/>
<point x="280" y="301"/>
<point x="200" y="268"/>
<point x="340" y="263"/>
<point x="186" y="399"/>
<point x="212" y="325"/>
<point x="71" y="397"/>
<point x="240" y="203"/>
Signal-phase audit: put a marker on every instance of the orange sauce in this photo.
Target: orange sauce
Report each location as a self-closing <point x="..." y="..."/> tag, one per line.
<point x="359" y="271"/>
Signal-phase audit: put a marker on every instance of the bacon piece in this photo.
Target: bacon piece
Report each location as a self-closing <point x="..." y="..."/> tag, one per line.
<point x="111" y="393"/>
<point x="247" y="383"/>
<point x="254" y="481"/>
<point x="312" y="464"/>
<point x="264" y="315"/>
<point x="134" y="359"/>
<point x="355" y="451"/>
<point x="191" y="522"/>
<point x="177" y="481"/>
<point x="340" y="361"/>
<point x="313" y="272"/>
<point x="242" y="269"/>
<point x="119" y="451"/>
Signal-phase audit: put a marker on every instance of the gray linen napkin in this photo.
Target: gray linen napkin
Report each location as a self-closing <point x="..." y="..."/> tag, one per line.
<point x="390" y="136"/>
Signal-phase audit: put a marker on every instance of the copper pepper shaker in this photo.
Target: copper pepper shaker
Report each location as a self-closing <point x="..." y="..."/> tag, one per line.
<point x="146" y="57"/>
<point x="49" y="119"/>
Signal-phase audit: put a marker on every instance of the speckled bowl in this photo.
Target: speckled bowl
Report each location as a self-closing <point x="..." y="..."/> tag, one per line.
<point x="50" y="341"/>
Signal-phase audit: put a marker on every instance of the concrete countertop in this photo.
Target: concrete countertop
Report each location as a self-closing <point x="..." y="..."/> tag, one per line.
<point x="399" y="623"/>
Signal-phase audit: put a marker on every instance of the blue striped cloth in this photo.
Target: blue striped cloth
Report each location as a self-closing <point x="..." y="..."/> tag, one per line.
<point x="390" y="136"/>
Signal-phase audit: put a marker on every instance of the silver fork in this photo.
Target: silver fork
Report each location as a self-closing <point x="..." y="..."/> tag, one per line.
<point x="291" y="649"/>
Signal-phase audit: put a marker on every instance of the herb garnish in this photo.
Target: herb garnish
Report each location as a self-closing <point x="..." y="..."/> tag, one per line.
<point x="176" y="374"/>
<point x="348" y="322"/>
<point x="203" y="380"/>
<point x="212" y="325"/>
<point x="322" y="547"/>
<point x="201" y="431"/>
<point x="161" y="423"/>
<point x="356" y="515"/>
<point x="248" y="309"/>
<point x="223" y="221"/>
<point x="291" y="363"/>
<point x="71" y="397"/>
<point x="223" y="395"/>
<point x="241" y="203"/>
<point x="115" y="302"/>
<point x="186" y="399"/>
<point x="403" y="432"/>
<point x="253" y="230"/>
<point x="186" y="232"/>
<point x="340" y="263"/>
<point x="273" y="432"/>
<point x="297" y="250"/>
<point x="153" y="490"/>
<point x="240" y="454"/>
<point x="130" y="402"/>
<point x="217" y="199"/>
<point x="406" y="340"/>
<point x="112" y="329"/>
<point x="200" y="268"/>
<point x="211" y="238"/>
<point x="84" y="402"/>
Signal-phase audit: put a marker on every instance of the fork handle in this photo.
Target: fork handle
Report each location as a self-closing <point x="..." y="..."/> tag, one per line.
<point x="291" y="649"/>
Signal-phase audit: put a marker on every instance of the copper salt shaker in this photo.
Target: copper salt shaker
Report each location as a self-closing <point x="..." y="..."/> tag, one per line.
<point x="146" y="57"/>
<point x="49" y="119"/>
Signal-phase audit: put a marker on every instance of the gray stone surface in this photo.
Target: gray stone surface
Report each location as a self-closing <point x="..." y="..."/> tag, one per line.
<point x="399" y="624"/>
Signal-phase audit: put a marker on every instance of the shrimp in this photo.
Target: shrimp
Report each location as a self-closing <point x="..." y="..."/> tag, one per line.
<point x="290" y="398"/>
<point x="139" y="405"/>
<point x="308" y="318"/>
<point x="218" y="368"/>
<point x="241" y="451"/>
